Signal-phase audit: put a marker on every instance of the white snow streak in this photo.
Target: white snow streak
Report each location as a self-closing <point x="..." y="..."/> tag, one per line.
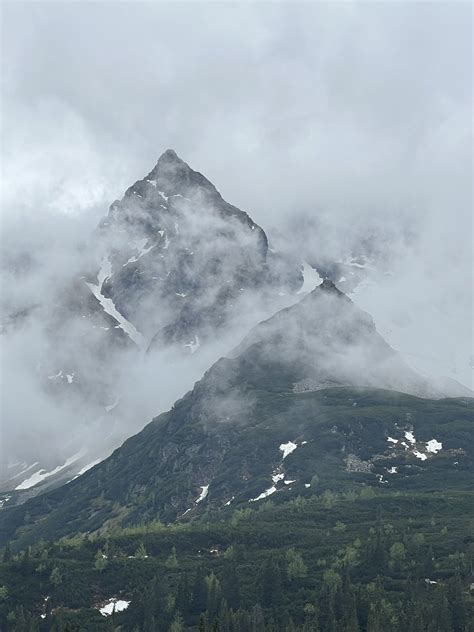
<point x="203" y="494"/>
<point x="267" y="492"/>
<point x="89" y="466"/>
<point x="109" y="307"/>
<point x="40" y="475"/>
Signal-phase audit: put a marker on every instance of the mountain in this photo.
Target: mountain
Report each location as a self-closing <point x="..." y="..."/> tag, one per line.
<point x="312" y="390"/>
<point x="178" y="258"/>
<point x="172" y="269"/>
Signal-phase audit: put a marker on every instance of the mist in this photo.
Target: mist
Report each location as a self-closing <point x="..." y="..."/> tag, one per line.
<point x="344" y="130"/>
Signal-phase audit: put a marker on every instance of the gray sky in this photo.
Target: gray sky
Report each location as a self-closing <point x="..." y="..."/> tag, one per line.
<point x="354" y="115"/>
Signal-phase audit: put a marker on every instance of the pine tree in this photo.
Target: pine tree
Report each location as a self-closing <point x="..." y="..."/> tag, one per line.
<point x="214" y="594"/>
<point x="311" y="620"/>
<point x="55" y="578"/>
<point x="7" y="553"/>
<point x="177" y="624"/>
<point x="257" y="619"/>
<point x="457" y="604"/>
<point x="428" y="566"/>
<point x="270" y="583"/>
<point x="141" y="553"/>
<point x="347" y="600"/>
<point x="199" y="593"/>
<point x="172" y="560"/>
<point x="296" y="568"/>
<point x="202" y="627"/>
<point x="439" y="616"/>
<point x="100" y="561"/>
<point x="231" y="584"/>
<point x="224" y="617"/>
<point x="183" y="595"/>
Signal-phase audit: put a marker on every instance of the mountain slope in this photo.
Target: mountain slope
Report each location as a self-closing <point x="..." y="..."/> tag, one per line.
<point x="295" y="399"/>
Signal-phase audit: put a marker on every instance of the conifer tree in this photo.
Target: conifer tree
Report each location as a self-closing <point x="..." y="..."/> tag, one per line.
<point x="141" y="553"/>
<point x="270" y="583"/>
<point x="183" y="595"/>
<point x="7" y="553"/>
<point x="172" y="560"/>
<point x="199" y="592"/>
<point x="224" y="617"/>
<point x="231" y="585"/>
<point x="457" y="604"/>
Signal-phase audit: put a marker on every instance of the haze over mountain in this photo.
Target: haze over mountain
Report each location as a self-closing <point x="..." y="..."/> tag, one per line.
<point x="173" y="269"/>
<point x="219" y="437"/>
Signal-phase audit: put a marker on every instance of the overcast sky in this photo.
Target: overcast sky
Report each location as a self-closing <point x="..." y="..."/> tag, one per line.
<point x="360" y="113"/>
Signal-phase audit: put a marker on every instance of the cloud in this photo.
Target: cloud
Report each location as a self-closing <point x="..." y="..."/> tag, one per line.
<point x="340" y="128"/>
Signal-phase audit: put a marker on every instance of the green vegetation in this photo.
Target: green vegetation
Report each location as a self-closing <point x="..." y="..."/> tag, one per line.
<point x="394" y="561"/>
<point x="359" y="535"/>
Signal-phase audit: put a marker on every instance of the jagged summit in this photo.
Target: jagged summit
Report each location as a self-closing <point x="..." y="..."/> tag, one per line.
<point x="169" y="154"/>
<point x="173" y="176"/>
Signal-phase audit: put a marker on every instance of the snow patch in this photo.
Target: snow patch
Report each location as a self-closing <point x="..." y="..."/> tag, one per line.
<point x="40" y="475"/>
<point x="409" y="436"/>
<point x="420" y="455"/>
<point x="288" y="448"/>
<point x="434" y="446"/>
<point x="194" y="345"/>
<point x="391" y="440"/>
<point x="113" y="605"/>
<point x="152" y="182"/>
<point x="4" y="500"/>
<point x="311" y="279"/>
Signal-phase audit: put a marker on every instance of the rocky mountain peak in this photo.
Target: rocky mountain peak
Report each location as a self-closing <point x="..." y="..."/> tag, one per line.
<point x="174" y="177"/>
